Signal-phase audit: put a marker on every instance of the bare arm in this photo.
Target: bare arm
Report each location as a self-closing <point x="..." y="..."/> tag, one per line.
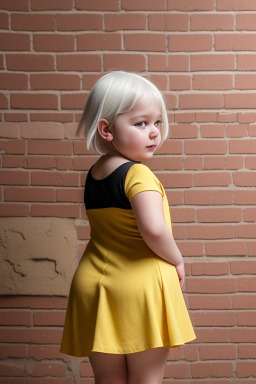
<point x="148" y="210"/>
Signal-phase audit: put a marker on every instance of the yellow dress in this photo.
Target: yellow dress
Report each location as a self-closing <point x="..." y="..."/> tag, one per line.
<point x="123" y="298"/>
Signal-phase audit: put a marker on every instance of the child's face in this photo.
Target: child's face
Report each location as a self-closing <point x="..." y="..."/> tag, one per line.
<point x="136" y="133"/>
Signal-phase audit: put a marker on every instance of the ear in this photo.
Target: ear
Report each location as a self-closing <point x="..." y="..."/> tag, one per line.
<point x="104" y="130"/>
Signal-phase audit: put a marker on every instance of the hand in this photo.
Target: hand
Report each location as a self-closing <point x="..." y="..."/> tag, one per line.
<point x="181" y="273"/>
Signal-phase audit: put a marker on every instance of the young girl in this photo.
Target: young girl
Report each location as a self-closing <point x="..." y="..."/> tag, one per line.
<point x="126" y="308"/>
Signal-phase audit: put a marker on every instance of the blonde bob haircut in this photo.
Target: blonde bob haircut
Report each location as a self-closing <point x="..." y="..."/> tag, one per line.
<point x="115" y="93"/>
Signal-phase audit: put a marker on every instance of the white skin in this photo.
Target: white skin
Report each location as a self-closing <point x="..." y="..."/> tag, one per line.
<point x="135" y="135"/>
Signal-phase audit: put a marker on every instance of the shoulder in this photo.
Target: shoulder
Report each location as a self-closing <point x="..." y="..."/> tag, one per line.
<point x="140" y="178"/>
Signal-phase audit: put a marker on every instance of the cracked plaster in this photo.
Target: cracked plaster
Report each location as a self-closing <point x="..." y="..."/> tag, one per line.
<point x="38" y="256"/>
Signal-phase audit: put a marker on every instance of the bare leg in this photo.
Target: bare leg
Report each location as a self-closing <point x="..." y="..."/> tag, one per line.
<point x="147" y="367"/>
<point x="109" y="368"/>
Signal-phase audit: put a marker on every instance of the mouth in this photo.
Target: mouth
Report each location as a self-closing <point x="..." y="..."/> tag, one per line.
<point x="152" y="147"/>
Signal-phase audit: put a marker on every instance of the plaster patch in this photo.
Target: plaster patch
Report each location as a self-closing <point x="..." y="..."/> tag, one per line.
<point x="38" y="256"/>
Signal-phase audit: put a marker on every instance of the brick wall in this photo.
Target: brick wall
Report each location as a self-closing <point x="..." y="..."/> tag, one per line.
<point x="202" y="54"/>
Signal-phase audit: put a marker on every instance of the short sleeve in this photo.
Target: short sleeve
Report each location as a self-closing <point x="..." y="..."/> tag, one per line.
<point x="140" y="178"/>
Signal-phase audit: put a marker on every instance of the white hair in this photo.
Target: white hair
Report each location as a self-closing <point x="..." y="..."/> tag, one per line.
<point x="115" y="93"/>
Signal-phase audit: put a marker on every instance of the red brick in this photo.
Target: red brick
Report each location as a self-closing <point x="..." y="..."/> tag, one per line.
<point x="243" y="335"/>
<point x="212" y="82"/>
<point x="247" y="351"/>
<point x="177" y="63"/>
<point x="54" y="81"/>
<point x="244" y="302"/>
<point x="218" y="369"/>
<point x="176" y="180"/>
<point x="227" y="117"/>
<point x="215" y="319"/>
<point x="192" y="5"/>
<point x="42" y="302"/>
<point x="142" y="5"/>
<point x="212" y="22"/>
<point x="208" y="302"/>
<point x="209" y="269"/>
<point x="15" y="117"/>
<point x="14" y="42"/>
<point x="190" y="248"/>
<point x="184" y="131"/>
<point x="12" y="317"/>
<point x="78" y="21"/>
<point x="206" y="147"/>
<point x="210" y="232"/>
<point x="226" y="248"/>
<point x="18" y="210"/>
<point x="235" y="42"/>
<point x="252" y="130"/>
<point x="62" y="210"/>
<point x="168" y="22"/>
<point x="245" y="369"/>
<point x="183" y="215"/>
<point x="53" y="42"/>
<point x="13" y="146"/>
<point x="79" y="62"/>
<point x="29" y="62"/>
<point x="73" y="101"/>
<point x="34" y="101"/>
<point x="250" y="214"/>
<point x="13" y="81"/>
<point x="218" y="352"/>
<point x="193" y="163"/>
<point x="245" y="179"/>
<point x="207" y="179"/>
<point x="145" y="42"/>
<point x="64" y="117"/>
<point x="98" y="5"/>
<point x="99" y="41"/>
<point x="212" y="335"/>
<point x="11" y="177"/>
<point x="42" y="352"/>
<point x="245" y="81"/>
<point x="176" y="370"/>
<point x="49" y="369"/>
<point x="243" y="146"/>
<point x="219" y="215"/>
<point x="246" y="61"/>
<point x="29" y="194"/>
<point x="33" y="22"/>
<point x="4" y="20"/>
<point x="70" y="195"/>
<point x="212" y="162"/>
<point x="125" y="21"/>
<point x="210" y="285"/>
<point x="41" y="162"/>
<point x="41" y="130"/>
<point x="245" y="197"/>
<point x="46" y="5"/>
<point x="208" y="197"/>
<point x="246" y="284"/>
<point x="15" y="5"/>
<point x="180" y="82"/>
<point x="243" y="267"/>
<point x="212" y="62"/>
<point x="173" y="147"/>
<point x="13" y="351"/>
<point x="68" y="179"/>
<point x="206" y="117"/>
<point x="201" y="101"/>
<point x="157" y="62"/>
<point x="237" y="130"/>
<point x="235" y="5"/>
<point x="49" y="147"/>
<point x="190" y="43"/>
<point x="4" y="104"/>
<point x="13" y="369"/>
<point x="64" y="163"/>
<point x="125" y="62"/>
<point x="212" y="130"/>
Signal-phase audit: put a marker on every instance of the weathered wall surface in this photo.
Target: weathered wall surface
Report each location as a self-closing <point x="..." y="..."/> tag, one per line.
<point x="202" y="55"/>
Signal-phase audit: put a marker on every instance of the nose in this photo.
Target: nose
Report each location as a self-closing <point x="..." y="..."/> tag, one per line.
<point x="154" y="132"/>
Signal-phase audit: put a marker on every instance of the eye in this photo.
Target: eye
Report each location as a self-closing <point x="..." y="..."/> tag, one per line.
<point x="158" y="123"/>
<point x="141" y="124"/>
